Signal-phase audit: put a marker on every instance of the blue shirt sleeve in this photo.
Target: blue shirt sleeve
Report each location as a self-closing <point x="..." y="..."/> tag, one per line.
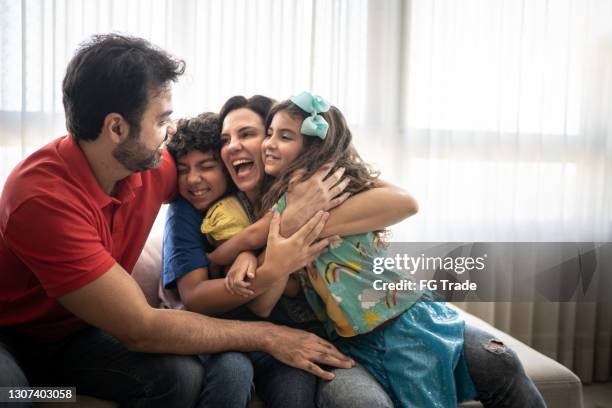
<point x="184" y="246"/>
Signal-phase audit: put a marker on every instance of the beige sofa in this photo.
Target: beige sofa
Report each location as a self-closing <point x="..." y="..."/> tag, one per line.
<point x="559" y="386"/>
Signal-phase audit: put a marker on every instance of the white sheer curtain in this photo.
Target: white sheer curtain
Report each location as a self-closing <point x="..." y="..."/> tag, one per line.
<point x="272" y="47"/>
<point x="495" y="114"/>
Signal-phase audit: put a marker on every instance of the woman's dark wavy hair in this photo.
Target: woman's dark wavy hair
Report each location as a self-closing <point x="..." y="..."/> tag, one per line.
<point x="337" y="147"/>
<point x="257" y="103"/>
<point x="114" y="73"/>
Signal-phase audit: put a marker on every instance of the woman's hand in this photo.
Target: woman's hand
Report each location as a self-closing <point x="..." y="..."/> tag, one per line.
<point x="286" y="255"/>
<point x="318" y="193"/>
<point x="243" y="267"/>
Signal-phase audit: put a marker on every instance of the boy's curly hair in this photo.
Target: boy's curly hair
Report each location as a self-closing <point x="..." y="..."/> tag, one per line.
<point x="202" y="133"/>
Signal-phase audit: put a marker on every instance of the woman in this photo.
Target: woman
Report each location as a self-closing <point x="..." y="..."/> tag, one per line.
<point x="242" y="134"/>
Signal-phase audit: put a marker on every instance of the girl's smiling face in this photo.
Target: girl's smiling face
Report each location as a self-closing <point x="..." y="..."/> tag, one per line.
<point x="283" y="143"/>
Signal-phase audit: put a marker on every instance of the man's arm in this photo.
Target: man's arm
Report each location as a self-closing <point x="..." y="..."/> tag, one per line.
<point x="181" y="332"/>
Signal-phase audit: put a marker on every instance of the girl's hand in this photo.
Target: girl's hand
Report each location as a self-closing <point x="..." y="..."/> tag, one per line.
<point x="243" y="267"/>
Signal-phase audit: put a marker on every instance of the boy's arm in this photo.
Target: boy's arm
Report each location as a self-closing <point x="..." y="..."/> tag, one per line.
<point x="207" y="296"/>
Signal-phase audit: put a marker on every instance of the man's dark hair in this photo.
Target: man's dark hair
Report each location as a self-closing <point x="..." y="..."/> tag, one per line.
<point x="114" y="73"/>
<point x="257" y="103"/>
<point x="200" y="133"/>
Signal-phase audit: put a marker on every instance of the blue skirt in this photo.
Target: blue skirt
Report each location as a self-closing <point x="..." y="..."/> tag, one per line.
<point x="418" y="357"/>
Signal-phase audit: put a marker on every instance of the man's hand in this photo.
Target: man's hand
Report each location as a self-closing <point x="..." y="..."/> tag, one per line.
<point x="286" y="255"/>
<point x="305" y="350"/>
<point x="318" y="193"/>
<point x="243" y="267"/>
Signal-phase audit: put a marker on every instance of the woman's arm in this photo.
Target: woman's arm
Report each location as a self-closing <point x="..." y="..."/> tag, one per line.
<point x="319" y="193"/>
<point x="262" y="305"/>
<point x="209" y="296"/>
<point x="251" y="238"/>
<point x="371" y="210"/>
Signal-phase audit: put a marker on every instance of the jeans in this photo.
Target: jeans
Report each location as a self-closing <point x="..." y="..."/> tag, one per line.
<point x="232" y="376"/>
<point x="99" y="365"/>
<point x="496" y="371"/>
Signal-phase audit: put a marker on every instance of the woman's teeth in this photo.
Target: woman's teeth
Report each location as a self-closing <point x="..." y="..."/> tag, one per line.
<point x="242" y="165"/>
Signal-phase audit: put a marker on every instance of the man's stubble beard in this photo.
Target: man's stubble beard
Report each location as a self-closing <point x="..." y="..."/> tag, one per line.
<point x="135" y="157"/>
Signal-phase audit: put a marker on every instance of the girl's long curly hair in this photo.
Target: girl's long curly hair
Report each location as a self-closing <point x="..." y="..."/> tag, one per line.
<point x="337" y="148"/>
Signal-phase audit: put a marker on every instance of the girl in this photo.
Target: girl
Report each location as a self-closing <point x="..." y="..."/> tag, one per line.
<point x="413" y="346"/>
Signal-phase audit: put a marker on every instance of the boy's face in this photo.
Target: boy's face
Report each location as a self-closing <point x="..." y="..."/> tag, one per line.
<point x="201" y="179"/>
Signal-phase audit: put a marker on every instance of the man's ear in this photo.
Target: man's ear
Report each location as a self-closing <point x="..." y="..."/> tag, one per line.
<point x="116" y="127"/>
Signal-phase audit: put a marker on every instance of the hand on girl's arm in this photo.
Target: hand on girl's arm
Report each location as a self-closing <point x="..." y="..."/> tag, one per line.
<point x="276" y="254"/>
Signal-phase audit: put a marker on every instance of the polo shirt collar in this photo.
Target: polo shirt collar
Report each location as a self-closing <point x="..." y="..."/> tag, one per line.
<point x="78" y="167"/>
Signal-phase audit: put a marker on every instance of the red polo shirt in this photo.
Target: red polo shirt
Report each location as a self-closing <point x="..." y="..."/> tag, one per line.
<point x="59" y="231"/>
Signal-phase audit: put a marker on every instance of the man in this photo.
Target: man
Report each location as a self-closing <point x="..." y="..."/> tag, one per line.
<point x="74" y="217"/>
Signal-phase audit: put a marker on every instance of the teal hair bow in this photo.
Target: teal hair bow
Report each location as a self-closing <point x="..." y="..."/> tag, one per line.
<point x="315" y="124"/>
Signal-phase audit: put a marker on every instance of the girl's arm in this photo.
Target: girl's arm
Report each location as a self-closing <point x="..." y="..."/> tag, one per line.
<point x="263" y="304"/>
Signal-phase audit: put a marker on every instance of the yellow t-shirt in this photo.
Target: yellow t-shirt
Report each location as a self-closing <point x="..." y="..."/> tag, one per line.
<point x="224" y="219"/>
